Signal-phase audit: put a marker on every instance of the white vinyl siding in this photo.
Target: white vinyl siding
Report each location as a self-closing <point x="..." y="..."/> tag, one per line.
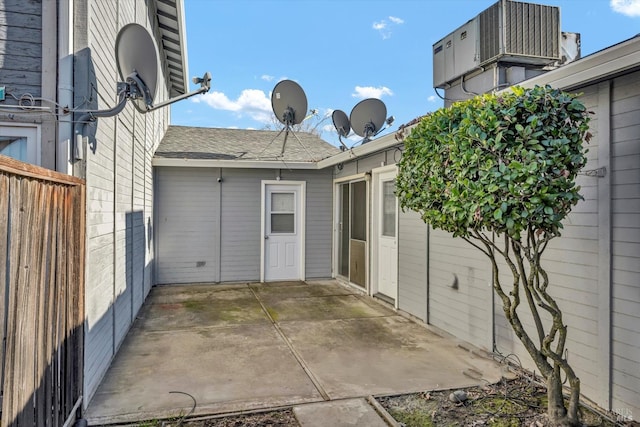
<point x="119" y="192"/>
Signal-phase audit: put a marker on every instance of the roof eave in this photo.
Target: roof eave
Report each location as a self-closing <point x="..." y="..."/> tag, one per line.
<point x="173" y="44"/>
<point x="387" y="141"/>
<point x="233" y="164"/>
<point x="615" y="60"/>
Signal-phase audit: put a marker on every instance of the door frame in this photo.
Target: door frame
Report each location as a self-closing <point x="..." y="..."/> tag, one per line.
<point x="366" y="177"/>
<point x="376" y="175"/>
<point x="301" y="207"/>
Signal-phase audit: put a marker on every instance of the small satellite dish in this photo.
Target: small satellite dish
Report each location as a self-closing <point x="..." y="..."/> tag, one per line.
<point x="367" y="117"/>
<point x="341" y="122"/>
<point x="137" y="61"/>
<point x="289" y="102"/>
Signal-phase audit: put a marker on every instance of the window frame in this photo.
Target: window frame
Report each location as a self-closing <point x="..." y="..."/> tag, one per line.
<point x="33" y="135"/>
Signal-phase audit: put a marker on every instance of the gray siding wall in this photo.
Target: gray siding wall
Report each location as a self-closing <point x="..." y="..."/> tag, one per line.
<point x="21" y="47"/>
<point x="460" y="293"/>
<point x="119" y="191"/>
<point x="625" y="245"/>
<point x="413" y="235"/>
<point x="28" y="64"/>
<point x="572" y="262"/>
<point x="366" y="164"/>
<point x="188" y="225"/>
<point x="232" y="245"/>
<point x="241" y="240"/>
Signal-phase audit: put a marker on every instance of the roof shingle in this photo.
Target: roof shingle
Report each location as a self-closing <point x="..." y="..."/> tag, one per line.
<point x="184" y="142"/>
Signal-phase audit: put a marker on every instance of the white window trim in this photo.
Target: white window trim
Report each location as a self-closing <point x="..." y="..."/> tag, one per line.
<point x="32" y="132"/>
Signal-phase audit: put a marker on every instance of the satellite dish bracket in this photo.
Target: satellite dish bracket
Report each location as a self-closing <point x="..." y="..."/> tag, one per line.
<point x="133" y="88"/>
<point x="137" y="61"/>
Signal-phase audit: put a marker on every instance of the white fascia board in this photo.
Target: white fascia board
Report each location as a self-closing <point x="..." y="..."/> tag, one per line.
<point x="613" y="60"/>
<point x="233" y="164"/>
<point x="379" y="144"/>
<point x="182" y="31"/>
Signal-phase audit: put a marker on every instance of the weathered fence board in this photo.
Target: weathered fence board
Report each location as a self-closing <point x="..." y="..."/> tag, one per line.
<point x="41" y="293"/>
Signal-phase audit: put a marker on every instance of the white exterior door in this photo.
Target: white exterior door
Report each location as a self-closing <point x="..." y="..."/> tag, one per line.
<point x="283" y="232"/>
<point x="387" y="231"/>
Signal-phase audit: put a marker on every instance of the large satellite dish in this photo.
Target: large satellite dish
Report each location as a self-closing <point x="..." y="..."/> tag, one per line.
<point x="289" y="102"/>
<point x="137" y="61"/>
<point x="367" y="117"/>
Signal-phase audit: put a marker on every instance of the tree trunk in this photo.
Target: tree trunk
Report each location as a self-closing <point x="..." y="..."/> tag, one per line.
<point x="556" y="410"/>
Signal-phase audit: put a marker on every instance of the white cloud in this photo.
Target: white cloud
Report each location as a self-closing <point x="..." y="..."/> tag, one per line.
<point x="267" y="77"/>
<point x="251" y="102"/>
<point x="384" y="28"/>
<point x="432" y="98"/>
<point x="371" y="92"/>
<point x="379" y="25"/>
<point x="626" y="7"/>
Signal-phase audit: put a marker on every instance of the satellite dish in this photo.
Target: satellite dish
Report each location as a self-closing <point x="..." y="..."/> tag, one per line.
<point x="289" y="102"/>
<point x="137" y="61"/>
<point x="367" y="117"/>
<point x="341" y="122"/>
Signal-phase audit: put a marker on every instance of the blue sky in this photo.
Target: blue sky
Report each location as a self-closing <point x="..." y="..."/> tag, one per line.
<point x="343" y="51"/>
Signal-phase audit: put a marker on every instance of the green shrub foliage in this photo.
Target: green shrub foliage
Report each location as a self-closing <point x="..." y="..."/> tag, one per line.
<point x="504" y="163"/>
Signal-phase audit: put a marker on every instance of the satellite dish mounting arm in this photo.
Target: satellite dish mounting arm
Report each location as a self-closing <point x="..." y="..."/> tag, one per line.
<point x="133" y="88"/>
<point x="205" y="86"/>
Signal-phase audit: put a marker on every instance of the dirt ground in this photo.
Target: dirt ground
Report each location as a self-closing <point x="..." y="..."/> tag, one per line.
<point x="508" y="403"/>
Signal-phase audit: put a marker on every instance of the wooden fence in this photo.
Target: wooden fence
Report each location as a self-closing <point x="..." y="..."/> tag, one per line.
<point x="42" y="229"/>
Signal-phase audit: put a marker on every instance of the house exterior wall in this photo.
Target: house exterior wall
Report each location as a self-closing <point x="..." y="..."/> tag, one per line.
<point x="594" y="267"/>
<point x="572" y="262"/>
<point x="29" y="62"/>
<point x="188" y="225"/>
<point x="625" y="245"/>
<point x="413" y="237"/>
<point x="460" y="293"/>
<point x="119" y="184"/>
<point x="413" y="264"/>
<point x="225" y="217"/>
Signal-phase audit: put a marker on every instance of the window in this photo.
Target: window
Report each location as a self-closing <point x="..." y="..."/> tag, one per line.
<point x="389" y="209"/>
<point x="283" y="213"/>
<point x="359" y="210"/>
<point x="20" y="142"/>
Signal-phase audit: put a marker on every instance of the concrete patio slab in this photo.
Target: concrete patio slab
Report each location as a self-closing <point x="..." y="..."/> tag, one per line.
<point x="250" y="346"/>
<point x="358" y="357"/>
<point x="338" y="413"/>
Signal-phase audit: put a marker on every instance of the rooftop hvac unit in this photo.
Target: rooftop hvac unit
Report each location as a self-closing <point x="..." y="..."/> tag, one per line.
<point x="509" y="31"/>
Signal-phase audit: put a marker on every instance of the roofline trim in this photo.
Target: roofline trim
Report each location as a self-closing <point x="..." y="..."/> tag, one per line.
<point x="233" y="164"/>
<point x="382" y="143"/>
<point x="616" y="59"/>
<point x="182" y="29"/>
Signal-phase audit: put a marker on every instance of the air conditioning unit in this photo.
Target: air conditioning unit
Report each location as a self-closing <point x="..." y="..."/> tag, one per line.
<point x="508" y="31"/>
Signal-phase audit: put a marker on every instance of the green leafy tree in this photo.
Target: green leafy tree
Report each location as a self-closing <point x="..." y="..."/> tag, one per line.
<point x="499" y="172"/>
